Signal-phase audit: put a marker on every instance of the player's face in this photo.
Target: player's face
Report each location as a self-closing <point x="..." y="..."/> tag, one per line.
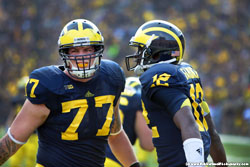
<point x="84" y="51"/>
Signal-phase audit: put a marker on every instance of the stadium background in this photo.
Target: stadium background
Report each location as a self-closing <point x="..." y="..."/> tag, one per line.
<point x="217" y="44"/>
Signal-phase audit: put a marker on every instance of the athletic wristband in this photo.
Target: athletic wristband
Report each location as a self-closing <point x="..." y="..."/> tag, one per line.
<point x="136" y="164"/>
<point x="194" y="151"/>
<point x="13" y="139"/>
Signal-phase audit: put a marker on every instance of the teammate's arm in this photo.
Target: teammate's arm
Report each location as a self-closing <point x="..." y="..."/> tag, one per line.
<point x="119" y="142"/>
<point x="143" y="132"/>
<point x="217" y="151"/>
<point x="27" y="121"/>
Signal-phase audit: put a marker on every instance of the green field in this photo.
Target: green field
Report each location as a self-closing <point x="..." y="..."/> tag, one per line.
<point x="237" y="148"/>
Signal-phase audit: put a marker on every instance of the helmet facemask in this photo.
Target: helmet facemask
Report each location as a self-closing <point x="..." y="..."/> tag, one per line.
<point x="85" y="65"/>
<point x="141" y="57"/>
<point x="135" y="59"/>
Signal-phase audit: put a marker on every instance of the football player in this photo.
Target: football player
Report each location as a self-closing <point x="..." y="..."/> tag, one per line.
<point x="75" y="107"/>
<point x="133" y="121"/>
<point x="172" y="95"/>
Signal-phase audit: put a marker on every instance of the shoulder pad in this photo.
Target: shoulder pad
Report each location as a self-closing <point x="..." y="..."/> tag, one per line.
<point x="113" y="71"/>
<point x="162" y="75"/>
<point x="42" y="82"/>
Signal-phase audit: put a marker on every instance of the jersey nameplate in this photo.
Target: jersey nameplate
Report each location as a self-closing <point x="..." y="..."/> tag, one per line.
<point x="189" y="73"/>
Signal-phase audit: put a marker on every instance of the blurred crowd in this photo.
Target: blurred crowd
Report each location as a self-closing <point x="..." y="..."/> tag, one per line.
<point x="217" y="44"/>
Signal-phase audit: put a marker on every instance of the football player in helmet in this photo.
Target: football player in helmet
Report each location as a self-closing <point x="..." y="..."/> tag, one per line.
<point x="172" y="95"/>
<point x="75" y="107"/>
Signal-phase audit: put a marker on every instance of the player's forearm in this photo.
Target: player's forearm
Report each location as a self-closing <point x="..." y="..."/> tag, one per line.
<point x="217" y="151"/>
<point x="122" y="149"/>
<point x="7" y="148"/>
<point x="143" y="132"/>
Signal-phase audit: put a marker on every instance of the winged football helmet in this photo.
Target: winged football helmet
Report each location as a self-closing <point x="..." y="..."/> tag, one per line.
<point x="157" y="41"/>
<point x="76" y="33"/>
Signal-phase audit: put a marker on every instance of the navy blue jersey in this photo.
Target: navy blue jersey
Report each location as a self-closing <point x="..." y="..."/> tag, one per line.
<point x="81" y="114"/>
<point x="130" y="103"/>
<point x="165" y="88"/>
